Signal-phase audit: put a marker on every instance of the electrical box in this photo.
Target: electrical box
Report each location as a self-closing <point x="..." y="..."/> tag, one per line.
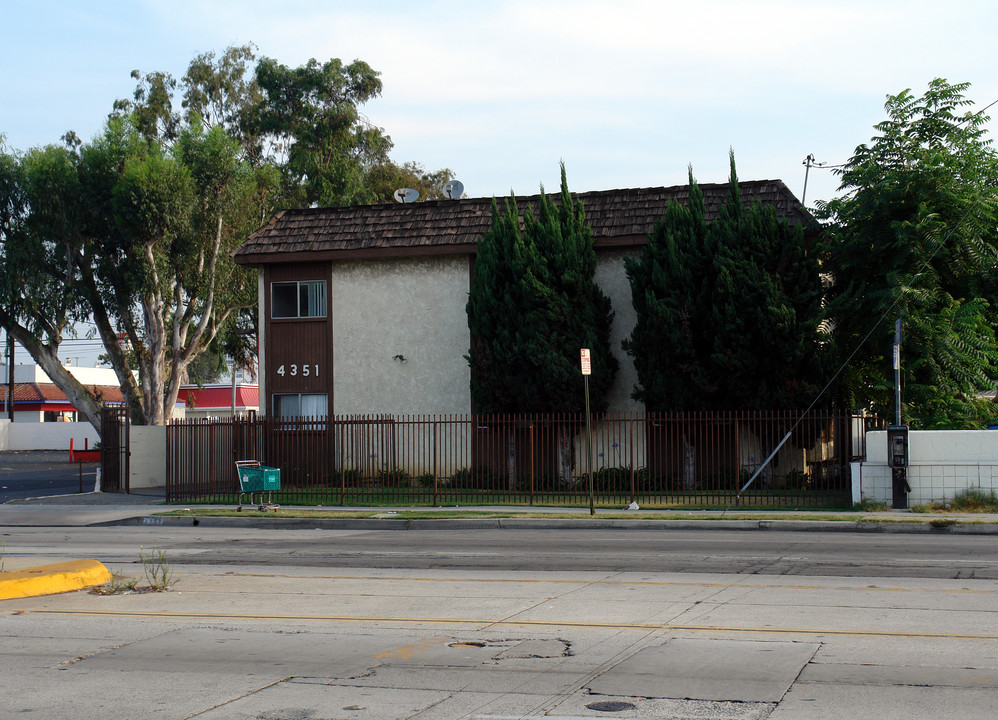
<point x="897" y="446"/>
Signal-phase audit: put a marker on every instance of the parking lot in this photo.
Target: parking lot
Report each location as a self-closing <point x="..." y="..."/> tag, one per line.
<point x="40" y="473"/>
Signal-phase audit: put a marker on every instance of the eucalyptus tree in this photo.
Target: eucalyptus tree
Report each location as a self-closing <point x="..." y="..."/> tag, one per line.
<point x="132" y="231"/>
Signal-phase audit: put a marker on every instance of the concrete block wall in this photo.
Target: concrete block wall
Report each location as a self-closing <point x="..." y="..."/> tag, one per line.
<point x="942" y="464"/>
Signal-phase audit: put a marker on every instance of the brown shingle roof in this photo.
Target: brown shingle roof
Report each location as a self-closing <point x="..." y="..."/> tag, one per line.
<point x="616" y="217"/>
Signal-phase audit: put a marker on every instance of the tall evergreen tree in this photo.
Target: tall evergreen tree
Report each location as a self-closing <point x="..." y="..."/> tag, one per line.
<point x="728" y="312"/>
<point x="533" y="304"/>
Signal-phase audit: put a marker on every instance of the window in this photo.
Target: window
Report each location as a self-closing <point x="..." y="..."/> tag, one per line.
<point x="301" y="299"/>
<point x="301" y="405"/>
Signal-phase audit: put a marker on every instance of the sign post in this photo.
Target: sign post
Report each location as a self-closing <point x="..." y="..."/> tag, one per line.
<point x="587" y="370"/>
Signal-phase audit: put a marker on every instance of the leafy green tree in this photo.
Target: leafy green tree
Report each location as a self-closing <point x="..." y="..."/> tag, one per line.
<point x="387" y="177"/>
<point x="133" y="230"/>
<point x="914" y="236"/>
<point x="728" y="312"/>
<point x="533" y="304"/>
<point x="39" y="230"/>
<point x="312" y="119"/>
<point x="135" y="235"/>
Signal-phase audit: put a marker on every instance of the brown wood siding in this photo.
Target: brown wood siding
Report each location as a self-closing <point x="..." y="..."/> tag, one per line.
<point x="302" y="347"/>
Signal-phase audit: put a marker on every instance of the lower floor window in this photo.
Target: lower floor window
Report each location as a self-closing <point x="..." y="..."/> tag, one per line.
<point x="301" y="405"/>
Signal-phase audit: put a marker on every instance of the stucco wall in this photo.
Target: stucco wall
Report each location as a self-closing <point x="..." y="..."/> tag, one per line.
<point x="612" y="279"/>
<point x="942" y="464"/>
<point x="413" y="307"/>
<point x="147" y="456"/>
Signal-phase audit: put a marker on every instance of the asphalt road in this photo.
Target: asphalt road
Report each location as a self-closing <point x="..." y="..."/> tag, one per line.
<point x="493" y="625"/>
<point x="835" y="554"/>
<point x="41" y="473"/>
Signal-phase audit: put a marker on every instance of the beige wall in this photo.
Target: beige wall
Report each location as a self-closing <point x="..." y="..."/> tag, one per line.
<point x="147" y="456"/>
<point x="612" y="279"/>
<point x="414" y="307"/>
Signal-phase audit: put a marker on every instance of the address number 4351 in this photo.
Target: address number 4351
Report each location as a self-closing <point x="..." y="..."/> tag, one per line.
<point x="296" y="370"/>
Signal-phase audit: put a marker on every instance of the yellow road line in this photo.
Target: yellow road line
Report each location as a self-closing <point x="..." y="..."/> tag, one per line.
<point x="486" y="622"/>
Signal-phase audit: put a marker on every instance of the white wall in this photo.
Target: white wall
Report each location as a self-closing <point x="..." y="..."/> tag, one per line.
<point x="86" y="375"/>
<point x="45" y="436"/>
<point x="941" y="465"/>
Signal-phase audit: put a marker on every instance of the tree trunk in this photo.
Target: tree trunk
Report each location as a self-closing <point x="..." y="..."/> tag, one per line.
<point x="45" y="355"/>
<point x="511" y="459"/>
<point x="565" y="438"/>
<point x="689" y="464"/>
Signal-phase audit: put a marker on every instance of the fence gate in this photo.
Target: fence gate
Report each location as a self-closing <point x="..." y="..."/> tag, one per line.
<point x="114" y="438"/>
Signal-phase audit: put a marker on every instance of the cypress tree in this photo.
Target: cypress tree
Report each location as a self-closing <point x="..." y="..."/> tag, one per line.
<point x="728" y="313"/>
<point x="533" y="304"/>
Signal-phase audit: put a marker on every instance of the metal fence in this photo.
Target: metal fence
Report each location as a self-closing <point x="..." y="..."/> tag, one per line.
<point x="115" y="447"/>
<point x="678" y="459"/>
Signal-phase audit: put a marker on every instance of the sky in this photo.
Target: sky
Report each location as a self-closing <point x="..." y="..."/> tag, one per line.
<point x="627" y="93"/>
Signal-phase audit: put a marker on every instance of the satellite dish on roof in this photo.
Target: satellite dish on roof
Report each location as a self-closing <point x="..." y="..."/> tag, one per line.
<point x="406" y="195"/>
<point x="454" y="189"/>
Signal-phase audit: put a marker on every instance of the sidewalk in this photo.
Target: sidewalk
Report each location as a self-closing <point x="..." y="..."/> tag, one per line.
<point x="144" y="507"/>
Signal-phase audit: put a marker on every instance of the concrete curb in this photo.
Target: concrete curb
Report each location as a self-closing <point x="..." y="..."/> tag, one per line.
<point x="514" y="523"/>
<point x="52" y="579"/>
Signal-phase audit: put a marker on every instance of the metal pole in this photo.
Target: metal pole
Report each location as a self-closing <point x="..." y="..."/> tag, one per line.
<point x="897" y="371"/>
<point x="10" y="377"/>
<point x="589" y="451"/>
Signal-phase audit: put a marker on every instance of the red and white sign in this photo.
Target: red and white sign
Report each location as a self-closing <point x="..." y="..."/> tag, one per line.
<point x="587" y="368"/>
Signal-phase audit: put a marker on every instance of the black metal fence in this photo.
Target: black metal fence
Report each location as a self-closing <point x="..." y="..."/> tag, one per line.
<point x="678" y="459"/>
<point x="115" y="448"/>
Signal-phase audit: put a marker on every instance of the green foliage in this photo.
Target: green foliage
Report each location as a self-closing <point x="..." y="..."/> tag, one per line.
<point x="914" y="236"/>
<point x="393" y="477"/>
<point x="159" y="573"/>
<point x="311" y="117"/>
<point x="133" y="230"/>
<point x="974" y="500"/>
<point x="728" y="312"/>
<point x="533" y="305"/>
<point x="477" y="478"/>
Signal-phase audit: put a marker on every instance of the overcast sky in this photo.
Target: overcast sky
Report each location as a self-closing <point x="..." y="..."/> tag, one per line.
<point x="627" y="93"/>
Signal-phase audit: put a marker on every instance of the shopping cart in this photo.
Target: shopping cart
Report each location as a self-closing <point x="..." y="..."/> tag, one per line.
<point x="256" y="478"/>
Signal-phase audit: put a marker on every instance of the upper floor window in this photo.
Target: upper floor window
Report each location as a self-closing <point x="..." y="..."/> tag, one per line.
<point x="298" y="299"/>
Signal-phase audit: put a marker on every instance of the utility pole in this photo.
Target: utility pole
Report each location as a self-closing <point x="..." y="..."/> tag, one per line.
<point x="897" y="436"/>
<point x="808" y="163"/>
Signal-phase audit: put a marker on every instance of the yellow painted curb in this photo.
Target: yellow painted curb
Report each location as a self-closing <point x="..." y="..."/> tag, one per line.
<point x="52" y="579"/>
